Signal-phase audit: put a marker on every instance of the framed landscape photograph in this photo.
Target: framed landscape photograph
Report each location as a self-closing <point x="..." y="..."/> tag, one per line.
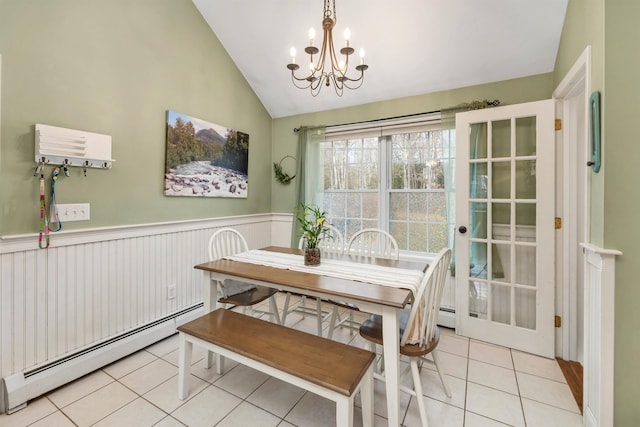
<point x="205" y="159"/>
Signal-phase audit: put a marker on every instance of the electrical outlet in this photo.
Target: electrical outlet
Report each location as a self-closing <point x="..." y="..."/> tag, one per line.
<point x="73" y="212"/>
<point x="171" y="292"/>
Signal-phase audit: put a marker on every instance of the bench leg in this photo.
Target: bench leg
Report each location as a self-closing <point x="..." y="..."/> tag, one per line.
<point x="184" y="366"/>
<point x="366" y="397"/>
<point x="344" y="412"/>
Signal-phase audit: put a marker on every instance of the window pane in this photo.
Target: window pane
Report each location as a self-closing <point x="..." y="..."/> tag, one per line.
<point x="437" y="237"/>
<point x="398" y="206"/>
<point x="399" y="232"/>
<point x="418" y="207"/>
<point x="354" y="205"/>
<point x="437" y="207"/>
<point x="353" y="225"/>
<point x="417" y="237"/>
<point x="334" y="165"/>
<point x="370" y="205"/>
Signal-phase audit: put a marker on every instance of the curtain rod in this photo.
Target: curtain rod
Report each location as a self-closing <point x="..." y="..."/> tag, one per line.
<point x="296" y="130"/>
<point x="471" y="105"/>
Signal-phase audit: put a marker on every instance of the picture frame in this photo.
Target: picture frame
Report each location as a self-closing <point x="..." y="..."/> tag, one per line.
<point x="204" y="159"/>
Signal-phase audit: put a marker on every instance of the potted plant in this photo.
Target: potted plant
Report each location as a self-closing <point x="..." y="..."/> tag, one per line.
<point x="314" y="227"/>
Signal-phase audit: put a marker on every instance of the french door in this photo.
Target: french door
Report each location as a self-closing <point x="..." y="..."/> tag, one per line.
<point x="505" y="226"/>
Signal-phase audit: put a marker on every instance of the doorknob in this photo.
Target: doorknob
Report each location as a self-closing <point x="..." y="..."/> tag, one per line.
<point x="462" y="229"/>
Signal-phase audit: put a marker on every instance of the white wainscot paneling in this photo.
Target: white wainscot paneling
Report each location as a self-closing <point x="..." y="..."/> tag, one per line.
<point x="90" y="286"/>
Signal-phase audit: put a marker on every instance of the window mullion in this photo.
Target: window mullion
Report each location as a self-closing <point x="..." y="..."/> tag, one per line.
<point x="383" y="184"/>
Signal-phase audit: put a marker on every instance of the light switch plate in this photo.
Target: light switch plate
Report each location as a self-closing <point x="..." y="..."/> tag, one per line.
<point x="74" y="212"/>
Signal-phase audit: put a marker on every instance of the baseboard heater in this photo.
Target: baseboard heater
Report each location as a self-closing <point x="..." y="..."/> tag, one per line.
<point x="447" y="317"/>
<point x="23" y="386"/>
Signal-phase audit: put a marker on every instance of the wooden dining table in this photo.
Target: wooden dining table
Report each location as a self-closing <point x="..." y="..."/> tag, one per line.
<point x="372" y="298"/>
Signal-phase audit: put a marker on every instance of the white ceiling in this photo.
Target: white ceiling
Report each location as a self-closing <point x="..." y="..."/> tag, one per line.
<point x="412" y="47"/>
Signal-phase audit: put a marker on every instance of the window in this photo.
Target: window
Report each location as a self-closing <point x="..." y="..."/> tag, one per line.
<point x="398" y="178"/>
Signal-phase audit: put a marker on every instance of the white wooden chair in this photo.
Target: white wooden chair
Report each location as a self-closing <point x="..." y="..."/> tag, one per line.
<point x="333" y="244"/>
<point x="424" y="313"/>
<point x="366" y="242"/>
<point x="228" y="241"/>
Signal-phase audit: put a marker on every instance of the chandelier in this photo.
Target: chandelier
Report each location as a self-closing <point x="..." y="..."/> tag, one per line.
<point x="326" y="69"/>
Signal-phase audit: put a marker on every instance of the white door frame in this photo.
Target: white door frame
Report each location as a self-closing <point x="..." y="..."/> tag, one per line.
<point x="576" y="81"/>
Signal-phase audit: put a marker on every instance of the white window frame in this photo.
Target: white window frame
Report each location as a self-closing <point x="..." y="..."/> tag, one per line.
<point x="383" y="129"/>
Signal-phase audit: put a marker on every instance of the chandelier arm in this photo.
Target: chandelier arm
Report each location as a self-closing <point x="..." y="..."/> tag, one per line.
<point x="359" y="81"/>
<point x="338" y="86"/>
<point x="294" y="79"/>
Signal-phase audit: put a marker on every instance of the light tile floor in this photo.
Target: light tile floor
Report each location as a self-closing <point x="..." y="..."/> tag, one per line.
<point x="491" y="387"/>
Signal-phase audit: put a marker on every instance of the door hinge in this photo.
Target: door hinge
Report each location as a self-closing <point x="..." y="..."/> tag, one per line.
<point x="558" y="124"/>
<point x="558" y="321"/>
<point x="558" y="223"/>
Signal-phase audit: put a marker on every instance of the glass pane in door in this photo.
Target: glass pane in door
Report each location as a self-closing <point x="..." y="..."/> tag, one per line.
<point x="526" y="136"/>
<point x="478" y="180"/>
<point x="525" y="179"/>
<point x="501" y="180"/>
<point x="501" y="303"/>
<point x="501" y="138"/>
<point x="526" y="308"/>
<point x="478" y="141"/>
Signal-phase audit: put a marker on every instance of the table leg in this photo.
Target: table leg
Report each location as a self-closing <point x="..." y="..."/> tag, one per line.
<point x="391" y="351"/>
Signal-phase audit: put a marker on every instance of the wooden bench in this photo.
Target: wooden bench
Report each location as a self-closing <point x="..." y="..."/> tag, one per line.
<point x="328" y="368"/>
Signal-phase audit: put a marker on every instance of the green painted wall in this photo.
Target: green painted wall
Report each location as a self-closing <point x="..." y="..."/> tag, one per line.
<point x="115" y="67"/>
<point x="610" y="27"/>
<point x="285" y="140"/>
<point x="621" y="204"/>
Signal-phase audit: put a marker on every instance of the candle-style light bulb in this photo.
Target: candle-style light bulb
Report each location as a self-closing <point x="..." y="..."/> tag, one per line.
<point x="347" y="35"/>
<point x="292" y="52"/>
<point x="362" y="56"/>
<point x="312" y="35"/>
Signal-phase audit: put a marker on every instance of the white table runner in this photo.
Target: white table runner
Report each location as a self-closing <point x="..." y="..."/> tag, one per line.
<point x="369" y="273"/>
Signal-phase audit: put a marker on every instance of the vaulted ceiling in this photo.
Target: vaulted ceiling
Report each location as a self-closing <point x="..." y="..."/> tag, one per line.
<point x="413" y="47"/>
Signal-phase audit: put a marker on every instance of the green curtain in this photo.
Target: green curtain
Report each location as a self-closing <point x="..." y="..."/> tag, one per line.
<point x="309" y="173"/>
<point x="448" y="122"/>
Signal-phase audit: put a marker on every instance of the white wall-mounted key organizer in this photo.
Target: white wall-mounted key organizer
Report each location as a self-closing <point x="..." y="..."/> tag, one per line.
<point x="61" y="146"/>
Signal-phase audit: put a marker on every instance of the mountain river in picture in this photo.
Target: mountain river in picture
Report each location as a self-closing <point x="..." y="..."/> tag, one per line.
<point x="203" y="179"/>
